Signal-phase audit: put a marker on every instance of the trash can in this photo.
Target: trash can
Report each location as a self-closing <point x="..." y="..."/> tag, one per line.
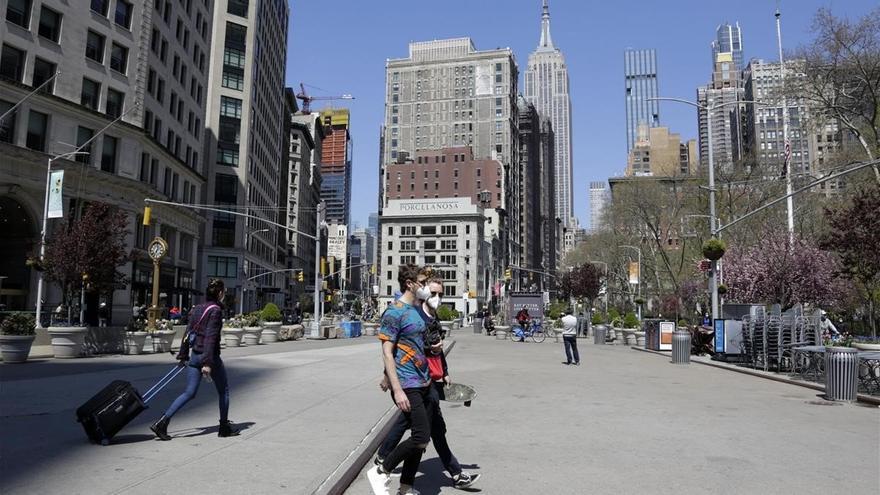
<point x="478" y="325"/>
<point x="841" y="373"/>
<point x="681" y="346"/>
<point x="599" y="334"/>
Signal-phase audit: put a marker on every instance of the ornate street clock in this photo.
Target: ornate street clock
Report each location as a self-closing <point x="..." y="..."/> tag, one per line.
<point x="157" y="249"/>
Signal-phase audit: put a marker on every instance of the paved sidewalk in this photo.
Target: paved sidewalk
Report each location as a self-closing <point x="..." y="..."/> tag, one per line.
<point x="305" y="404"/>
<point x="631" y="422"/>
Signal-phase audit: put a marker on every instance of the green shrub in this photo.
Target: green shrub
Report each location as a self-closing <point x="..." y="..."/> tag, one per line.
<point x="630" y="320"/>
<point x="18" y="324"/>
<point x="598" y="318"/>
<point x="446" y="313"/>
<point x="613" y="314"/>
<point x="251" y="319"/>
<point x="556" y="309"/>
<point x="271" y="312"/>
<point x="714" y="249"/>
<point x="683" y="323"/>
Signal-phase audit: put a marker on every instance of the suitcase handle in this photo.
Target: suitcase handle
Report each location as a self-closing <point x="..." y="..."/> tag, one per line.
<point x="162" y="383"/>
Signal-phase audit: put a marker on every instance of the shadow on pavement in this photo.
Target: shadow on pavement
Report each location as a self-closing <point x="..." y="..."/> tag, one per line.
<point x="56" y="437"/>
<point x="433" y="476"/>
<point x="207" y="430"/>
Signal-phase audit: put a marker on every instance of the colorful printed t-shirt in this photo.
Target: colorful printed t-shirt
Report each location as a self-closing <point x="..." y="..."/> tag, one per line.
<point x="401" y="322"/>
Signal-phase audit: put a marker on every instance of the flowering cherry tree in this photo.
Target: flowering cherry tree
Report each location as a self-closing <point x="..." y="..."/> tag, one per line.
<point x="772" y="271"/>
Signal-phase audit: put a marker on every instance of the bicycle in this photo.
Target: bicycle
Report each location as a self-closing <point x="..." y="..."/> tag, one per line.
<point x="535" y="332"/>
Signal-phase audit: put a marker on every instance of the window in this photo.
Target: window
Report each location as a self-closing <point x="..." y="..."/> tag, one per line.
<point x="238" y="7"/>
<point x="100" y="6"/>
<point x="123" y="13"/>
<point x="408" y="260"/>
<point x="7" y="125"/>
<point x="90" y="94"/>
<point x="429" y="245"/>
<point x="36" y="132"/>
<point x="108" y="154"/>
<point x="448" y="259"/>
<point x="230" y="107"/>
<point x="222" y="266"/>
<point x="12" y="64"/>
<point x="448" y="245"/>
<point x="233" y="77"/>
<point x="50" y="24"/>
<point x="43" y="71"/>
<point x="448" y="230"/>
<point x="19" y="12"/>
<point x="83" y="134"/>
<point x="407" y="245"/>
<point x="115" y="100"/>
<point x="429" y="230"/>
<point x="119" y="58"/>
<point x="95" y="47"/>
<point x="408" y="230"/>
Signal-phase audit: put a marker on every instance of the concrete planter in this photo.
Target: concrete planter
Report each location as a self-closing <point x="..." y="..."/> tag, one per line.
<point x="629" y="337"/>
<point x="371" y="329"/>
<point x="162" y="340"/>
<point x="232" y="336"/>
<point x="501" y="332"/>
<point x="270" y="332"/>
<point x="863" y="346"/>
<point x="15" y="348"/>
<point x="290" y="332"/>
<point x="640" y="339"/>
<point x="252" y="335"/>
<point x="134" y="342"/>
<point x="67" y="342"/>
<point x="447" y="327"/>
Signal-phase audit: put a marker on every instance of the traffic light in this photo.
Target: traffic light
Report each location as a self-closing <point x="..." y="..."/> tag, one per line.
<point x="148" y="212"/>
<point x="323" y="266"/>
<point x="507" y="274"/>
<point x="300" y="276"/>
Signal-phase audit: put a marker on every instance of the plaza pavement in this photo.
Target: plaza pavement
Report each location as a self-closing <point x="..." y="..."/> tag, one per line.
<point x="622" y="422"/>
<point x="631" y="422"/>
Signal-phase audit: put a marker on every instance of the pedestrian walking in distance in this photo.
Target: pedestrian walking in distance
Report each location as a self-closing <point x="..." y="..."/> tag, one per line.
<point x="403" y="353"/>
<point x="202" y="338"/>
<point x="569" y="338"/>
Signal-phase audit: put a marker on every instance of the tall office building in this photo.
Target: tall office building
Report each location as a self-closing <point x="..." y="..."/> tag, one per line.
<point x="722" y="94"/>
<point x="658" y="152"/>
<point x="336" y="165"/>
<point x="599" y="198"/>
<point x="144" y="61"/>
<point x="244" y="148"/>
<point x="640" y="84"/>
<point x="728" y="39"/>
<point x="547" y="87"/>
<point x="447" y="94"/>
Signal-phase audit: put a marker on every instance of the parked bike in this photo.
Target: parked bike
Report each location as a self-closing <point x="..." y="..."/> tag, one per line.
<point x="534" y="331"/>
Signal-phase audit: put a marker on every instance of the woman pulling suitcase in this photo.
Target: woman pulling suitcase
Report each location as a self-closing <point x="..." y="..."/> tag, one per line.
<point x="203" y="337"/>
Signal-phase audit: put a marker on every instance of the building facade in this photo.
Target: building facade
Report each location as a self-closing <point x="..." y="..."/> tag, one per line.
<point x="659" y="152"/>
<point x="547" y="87"/>
<point x="640" y="84"/>
<point x="728" y="39"/>
<point x="722" y="96"/>
<point x="336" y="165"/>
<point x="599" y="198"/>
<point x="444" y="233"/>
<point x="448" y="94"/>
<point x="146" y="67"/>
<point x="244" y="146"/>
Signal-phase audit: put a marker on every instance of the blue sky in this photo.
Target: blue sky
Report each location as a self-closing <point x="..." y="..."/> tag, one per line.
<point x="340" y="47"/>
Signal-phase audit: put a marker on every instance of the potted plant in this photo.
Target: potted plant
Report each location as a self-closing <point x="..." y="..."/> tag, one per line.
<point x="252" y="328"/>
<point x="163" y="335"/>
<point x="17" y="333"/>
<point x="232" y="331"/>
<point x="271" y="317"/>
<point x="867" y="344"/>
<point x="446" y="314"/>
<point x="713" y="249"/>
<point x="722" y="289"/>
<point x="630" y="326"/>
<point x="135" y="336"/>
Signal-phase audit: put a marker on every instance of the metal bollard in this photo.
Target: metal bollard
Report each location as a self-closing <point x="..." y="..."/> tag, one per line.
<point x="681" y="347"/>
<point x="599" y="334"/>
<point x="841" y="373"/>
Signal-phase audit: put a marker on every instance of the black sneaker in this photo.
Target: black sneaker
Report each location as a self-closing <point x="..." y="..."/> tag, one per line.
<point x="464" y="480"/>
<point x="566" y="363"/>
<point x="378" y="461"/>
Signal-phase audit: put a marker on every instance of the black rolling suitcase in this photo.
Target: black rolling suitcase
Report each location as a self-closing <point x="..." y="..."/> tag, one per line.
<point x="105" y="414"/>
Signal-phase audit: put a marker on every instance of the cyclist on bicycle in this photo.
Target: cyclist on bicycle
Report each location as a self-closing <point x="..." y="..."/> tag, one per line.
<point x="523" y="318"/>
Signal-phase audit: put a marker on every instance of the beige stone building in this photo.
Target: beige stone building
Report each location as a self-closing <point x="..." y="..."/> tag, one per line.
<point x="657" y="152"/>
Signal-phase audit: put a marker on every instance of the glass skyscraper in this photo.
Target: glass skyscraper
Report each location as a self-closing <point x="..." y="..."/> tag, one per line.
<point x="640" y="82"/>
<point x="728" y="39"/>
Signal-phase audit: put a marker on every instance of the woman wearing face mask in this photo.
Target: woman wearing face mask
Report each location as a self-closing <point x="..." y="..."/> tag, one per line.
<point x="430" y="295"/>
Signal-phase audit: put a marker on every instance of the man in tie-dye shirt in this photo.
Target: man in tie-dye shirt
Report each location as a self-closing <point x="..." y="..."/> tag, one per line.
<point x="403" y="352"/>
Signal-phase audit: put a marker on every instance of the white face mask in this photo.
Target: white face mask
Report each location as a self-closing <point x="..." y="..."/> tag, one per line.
<point x="434" y="302"/>
<point x="423" y="293"/>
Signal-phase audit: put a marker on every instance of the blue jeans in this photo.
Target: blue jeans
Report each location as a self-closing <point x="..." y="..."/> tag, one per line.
<point x="571" y="344"/>
<point x="194" y="379"/>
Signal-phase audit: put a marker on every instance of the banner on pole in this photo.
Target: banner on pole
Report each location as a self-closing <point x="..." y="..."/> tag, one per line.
<point x="56" y="199"/>
<point x="633" y="272"/>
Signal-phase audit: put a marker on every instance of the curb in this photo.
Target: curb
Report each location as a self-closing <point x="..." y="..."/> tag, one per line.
<point x="868" y="399"/>
<point x="348" y="470"/>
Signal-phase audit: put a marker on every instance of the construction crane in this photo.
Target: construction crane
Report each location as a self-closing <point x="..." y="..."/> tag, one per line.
<point x="307" y="100"/>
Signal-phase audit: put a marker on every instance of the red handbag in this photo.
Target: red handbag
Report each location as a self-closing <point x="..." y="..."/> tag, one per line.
<point x="435" y="367"/>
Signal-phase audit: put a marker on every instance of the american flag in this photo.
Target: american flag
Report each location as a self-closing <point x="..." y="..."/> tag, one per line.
<point x="787" y="154"/>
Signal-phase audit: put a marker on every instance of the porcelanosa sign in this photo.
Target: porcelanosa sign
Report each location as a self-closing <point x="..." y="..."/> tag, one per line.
<point x="432" y="207"/>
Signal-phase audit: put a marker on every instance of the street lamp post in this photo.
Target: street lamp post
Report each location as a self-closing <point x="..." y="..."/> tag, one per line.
<point x="77" y="151"/>
<point x="639" y="281"/>
<point x="606" y="280"/>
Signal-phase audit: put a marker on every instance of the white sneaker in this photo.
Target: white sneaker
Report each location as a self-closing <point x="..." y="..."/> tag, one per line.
<point x="411" y="491"/>
<point x="378" y="481"/>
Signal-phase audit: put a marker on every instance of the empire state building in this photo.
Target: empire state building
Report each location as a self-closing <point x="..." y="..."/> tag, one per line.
<point x="546" y="87"/>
